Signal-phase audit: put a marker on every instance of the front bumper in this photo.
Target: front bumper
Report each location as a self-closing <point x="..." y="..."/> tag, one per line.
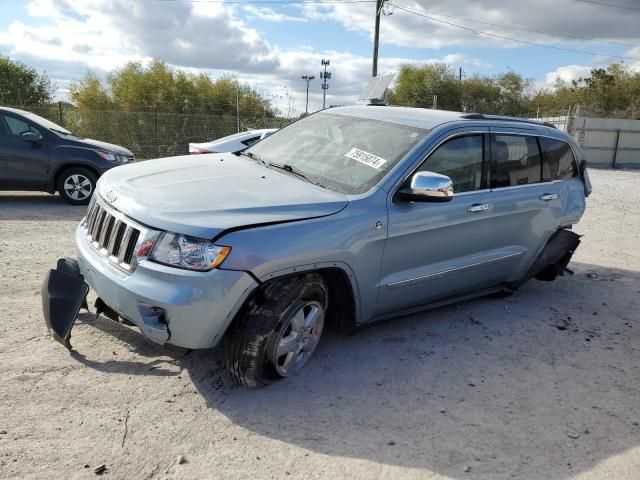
<point x="179" y="307"/>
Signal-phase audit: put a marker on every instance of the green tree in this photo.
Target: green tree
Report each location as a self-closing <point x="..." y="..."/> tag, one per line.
<point x="506" y="94"/>
<point x="479" y="94"/>
<point x="90" y="94"/>
<point x="514" y="90"/>
<point x="23" y="86"/>
<point x="416" y="86"/>
<point x="136" y="87"/>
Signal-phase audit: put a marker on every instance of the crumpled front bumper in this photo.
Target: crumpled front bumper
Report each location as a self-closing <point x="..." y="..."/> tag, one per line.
<point x="169" y="305"/>
<point x="64" y="292"/>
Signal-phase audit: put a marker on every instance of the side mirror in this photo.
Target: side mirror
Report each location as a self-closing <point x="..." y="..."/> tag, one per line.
<point x="427" y="187"/>
<point x="31" y="137"/>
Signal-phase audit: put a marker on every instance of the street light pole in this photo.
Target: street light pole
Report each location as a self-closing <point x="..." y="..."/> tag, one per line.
<point x="307" y="78"/>
<point x="325" y="86"/>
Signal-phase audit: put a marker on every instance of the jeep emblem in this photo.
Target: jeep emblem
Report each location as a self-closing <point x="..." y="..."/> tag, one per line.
<point x="111" y="196"/>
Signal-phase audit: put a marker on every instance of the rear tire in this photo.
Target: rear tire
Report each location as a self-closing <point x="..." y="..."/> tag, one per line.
<point x="279" y="330"/>
<point x="76" y="185"/>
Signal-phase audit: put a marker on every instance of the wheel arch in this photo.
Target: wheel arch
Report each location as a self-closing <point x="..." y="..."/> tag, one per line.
<point x="344" y="300"/>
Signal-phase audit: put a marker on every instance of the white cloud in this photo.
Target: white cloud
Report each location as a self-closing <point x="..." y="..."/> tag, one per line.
<point x="410" y="30"/>
<point x="270" y="15"/>
<point x="568" y="73"/>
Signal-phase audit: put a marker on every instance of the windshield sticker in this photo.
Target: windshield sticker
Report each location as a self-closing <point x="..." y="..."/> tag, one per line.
<point x="365" y="157"/>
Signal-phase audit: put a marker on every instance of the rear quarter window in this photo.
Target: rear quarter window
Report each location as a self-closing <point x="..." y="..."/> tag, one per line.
<point x="558" y="160"/>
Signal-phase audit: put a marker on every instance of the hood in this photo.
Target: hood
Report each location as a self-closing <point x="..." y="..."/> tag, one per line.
<point x="204" y="195"/>
<point x="109" y="147"/>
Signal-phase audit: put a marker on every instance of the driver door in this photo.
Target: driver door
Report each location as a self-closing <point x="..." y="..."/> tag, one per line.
<point x="436" y="250"/>
<point x="23" y="165"/>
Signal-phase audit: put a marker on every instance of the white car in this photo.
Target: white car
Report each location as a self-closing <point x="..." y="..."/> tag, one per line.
<point x="232" y="143"/>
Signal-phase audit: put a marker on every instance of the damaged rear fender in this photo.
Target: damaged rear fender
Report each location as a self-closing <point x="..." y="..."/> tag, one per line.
<point x="555" y="256"/>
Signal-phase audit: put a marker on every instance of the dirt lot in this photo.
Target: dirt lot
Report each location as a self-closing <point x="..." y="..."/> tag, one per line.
<point x="544" y="384"/>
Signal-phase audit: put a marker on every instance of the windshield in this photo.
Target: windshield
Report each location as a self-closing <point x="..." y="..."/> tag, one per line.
<point x="344" y="153"/>
<point x="47" y="123"/>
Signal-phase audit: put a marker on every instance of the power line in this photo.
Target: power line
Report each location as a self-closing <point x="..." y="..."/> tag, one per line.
<point x="615" y="5"/>
<point x="523" y="29"/>
<point x="270" y="2"/>
<point x="495" y="35"/>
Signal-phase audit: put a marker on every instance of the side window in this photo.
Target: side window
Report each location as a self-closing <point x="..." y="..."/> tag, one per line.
<point x="461" y="160"/>
<point x="4" y="129"/>
<point x="516" y="160"/>
<point x="18" y="127"/>
<point x="250" y="141"/>
<point x="559" y="161"/>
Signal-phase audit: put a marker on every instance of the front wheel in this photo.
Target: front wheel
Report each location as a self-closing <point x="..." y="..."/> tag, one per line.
<point x="279" y="331"/>
<point x="76" y="185"/>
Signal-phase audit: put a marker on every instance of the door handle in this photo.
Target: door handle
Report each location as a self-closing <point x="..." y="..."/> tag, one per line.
<point x="549" y="196"/>
<point x="479" y="207"/>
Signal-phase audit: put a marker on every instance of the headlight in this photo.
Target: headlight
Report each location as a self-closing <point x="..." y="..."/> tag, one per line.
<point x="112" y="157"/>
<point x="187" y="252"/>
<point x="107" y="156"/>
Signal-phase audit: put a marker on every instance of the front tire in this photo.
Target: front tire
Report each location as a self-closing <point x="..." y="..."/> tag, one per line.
<point x="278" y="332"/>
<point x="76" y="185"/>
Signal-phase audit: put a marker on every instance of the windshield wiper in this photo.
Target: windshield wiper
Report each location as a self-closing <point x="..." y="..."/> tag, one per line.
<point x="252" y="156"/>
<point x="296" y="172"/>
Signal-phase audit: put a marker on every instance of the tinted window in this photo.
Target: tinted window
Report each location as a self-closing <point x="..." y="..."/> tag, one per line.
<point x="250" y="141"/>
<point x="516" y="159"/>
<point x="17" y="127"/>
<point x="461" y="160"/>
<point x="559" y="161"/>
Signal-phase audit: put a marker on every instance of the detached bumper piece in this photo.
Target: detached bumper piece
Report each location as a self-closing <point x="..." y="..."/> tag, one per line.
<point x="555" y="257"/>
<point x="64" y="292"/>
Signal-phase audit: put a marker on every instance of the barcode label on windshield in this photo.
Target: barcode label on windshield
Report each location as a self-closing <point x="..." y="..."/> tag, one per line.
<point x="365" y="157"/>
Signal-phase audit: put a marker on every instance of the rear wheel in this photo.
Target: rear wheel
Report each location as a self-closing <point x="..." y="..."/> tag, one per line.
<point x="76" y="185"/>
<point x="279" y="332"/>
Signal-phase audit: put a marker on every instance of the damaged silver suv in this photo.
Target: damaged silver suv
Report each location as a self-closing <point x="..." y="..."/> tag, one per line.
<point x="348" y="216"/>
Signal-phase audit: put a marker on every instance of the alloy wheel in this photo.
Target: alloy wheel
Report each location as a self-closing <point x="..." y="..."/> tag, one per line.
<point x="77" y="187"/>
<point x="298" y="339"/>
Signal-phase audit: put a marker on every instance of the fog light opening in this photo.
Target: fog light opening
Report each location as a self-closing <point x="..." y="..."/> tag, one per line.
<point x="153" y="312"/>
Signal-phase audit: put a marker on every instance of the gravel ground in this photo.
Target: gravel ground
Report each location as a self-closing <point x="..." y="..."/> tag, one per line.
<point x="544" y="384"/>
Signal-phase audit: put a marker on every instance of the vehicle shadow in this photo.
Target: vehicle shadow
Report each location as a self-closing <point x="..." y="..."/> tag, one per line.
<point x="543" y="384"/>
<point x="161" y="357"/>
<point x="29" y="206"/>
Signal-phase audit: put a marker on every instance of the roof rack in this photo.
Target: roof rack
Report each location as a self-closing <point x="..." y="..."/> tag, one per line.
<point x="482" y="116"/>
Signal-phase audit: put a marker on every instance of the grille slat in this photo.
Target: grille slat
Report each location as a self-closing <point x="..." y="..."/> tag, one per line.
<point x="111" y="235"/>
<point x="107" y="225"/>
<point x="116" y="235"/>
<point x="95" y="233"/>
<point x="124" y="243"/>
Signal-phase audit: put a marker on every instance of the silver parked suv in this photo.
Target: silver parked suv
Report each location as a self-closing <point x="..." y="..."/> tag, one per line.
<point x="348" y="216"/>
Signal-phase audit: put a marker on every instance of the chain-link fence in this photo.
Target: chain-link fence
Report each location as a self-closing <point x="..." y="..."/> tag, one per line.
<point x="151" y="134"/>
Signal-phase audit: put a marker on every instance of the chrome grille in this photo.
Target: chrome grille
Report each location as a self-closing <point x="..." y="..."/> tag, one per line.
<point x="112" y="234"/>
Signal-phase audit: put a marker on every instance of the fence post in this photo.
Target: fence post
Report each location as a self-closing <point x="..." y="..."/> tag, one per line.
<point x="155" y="129"/>
<point x="615" y="152"/>
<point x="60" y="118"/>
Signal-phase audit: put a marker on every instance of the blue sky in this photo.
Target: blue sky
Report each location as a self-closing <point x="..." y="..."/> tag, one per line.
<point x="271" y="44"/>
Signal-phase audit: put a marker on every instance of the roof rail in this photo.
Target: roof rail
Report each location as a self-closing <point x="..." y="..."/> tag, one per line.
<point x="482" y="116"/>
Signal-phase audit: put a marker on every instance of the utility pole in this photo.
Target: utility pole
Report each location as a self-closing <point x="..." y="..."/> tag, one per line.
<point x="325" y="86"/>
<point x="307" y="78"/>
<point x="376" y="37"/>
<point x="460" y="75"/>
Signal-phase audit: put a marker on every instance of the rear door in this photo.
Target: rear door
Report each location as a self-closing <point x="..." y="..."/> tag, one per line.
<point x="526" y="205"/>
<point x="440" y="249"/>
<point x="23" y="165"/>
